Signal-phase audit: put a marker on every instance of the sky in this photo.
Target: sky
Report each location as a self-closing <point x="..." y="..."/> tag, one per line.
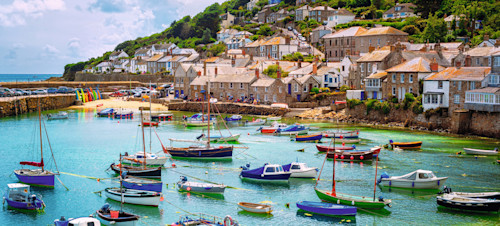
<point x="41" y="36"/>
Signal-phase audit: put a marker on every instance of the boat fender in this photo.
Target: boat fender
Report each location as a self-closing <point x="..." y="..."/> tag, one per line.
<point x="342" y="156"/>
<point x="361" y="157"/>
<point x="262" y="175"/>
<point x="112" y="222"/>
<point x="354" y="146"/>
<point x="188" y="189"/>
<point x="352" y="157"/>
<point x="352" y="203"/>
<point x="338" y="201"/>
<point x="228" y="221"/>
<point x="412" y="184"/>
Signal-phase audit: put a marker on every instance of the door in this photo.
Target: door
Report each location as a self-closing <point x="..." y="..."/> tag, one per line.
<point x="176" y="93"/>
<point x="374" y="94"/>
<point x="182" y="91"/>
<point x="290" y="88"/>
<point x="298" y="97"/>
<point x="310" y="87"/>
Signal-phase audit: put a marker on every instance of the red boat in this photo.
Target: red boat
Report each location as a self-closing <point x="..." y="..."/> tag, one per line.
<point x="323" y="148"/>
<point x="151" y="123"/>
<point x="354" y="155"/>
<point x="272" y="128"/>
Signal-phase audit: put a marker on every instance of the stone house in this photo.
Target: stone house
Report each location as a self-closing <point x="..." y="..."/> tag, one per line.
<point x="376" y="85"/>
<point x="319" y="32"/>
<point x="227" y="20"/>
<point x="264" y="13"/>
<point x="378" y="37"/>
<point x="115" y="55"/>
<point x="163" y="49"/>
<point x="405" y="77"/>
<point x="446" y="89"/>
<point x="321" y="13"/>
<point x="480" y="56"/>
<point x="400" y="10"/>
<point x="252" y="4"/>
<point x="143" y="53"/>
<point x="341" y="43"/>
<point x="274" y="48"/>
<point x="152" y="63"/>
<point x="299" y="88"/>
<point x="340" y="16"/>
<point x="183" y="76"/>
<point x="302" y="12"/>
<point x="232" y="86"/>
<point x="268" y="90"/>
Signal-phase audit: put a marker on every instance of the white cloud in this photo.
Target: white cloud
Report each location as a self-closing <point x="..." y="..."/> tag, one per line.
<point x="19" y="10"/>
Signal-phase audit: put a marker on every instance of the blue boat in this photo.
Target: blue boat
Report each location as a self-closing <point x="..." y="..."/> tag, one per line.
<point x="292" y="129"/>
<point x="266" y="173"/>
<point x="123" y="115"/>
<point x="106" y="112"/>
<point x="144" y="184"/>
<point x="18" y="196"/>
<point x="327" y="209"/>
<point x="313" y="137"/>
<point x="233" y="118"/>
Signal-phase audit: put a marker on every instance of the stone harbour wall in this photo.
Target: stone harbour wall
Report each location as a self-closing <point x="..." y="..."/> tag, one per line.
<point x="15" y="106"/>
<point x="229" y="108"/>
<point x="146" y="78"/>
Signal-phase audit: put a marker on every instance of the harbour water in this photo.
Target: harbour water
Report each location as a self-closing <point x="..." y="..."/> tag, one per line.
<point x="26" y="77"/>
<point x="84" y="146"/>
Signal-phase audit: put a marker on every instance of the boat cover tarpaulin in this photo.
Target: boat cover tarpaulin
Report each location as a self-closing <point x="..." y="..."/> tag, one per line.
<point x="286" y="168"/>
<point x="257" y="171"/>
<point x="37" y="164"/>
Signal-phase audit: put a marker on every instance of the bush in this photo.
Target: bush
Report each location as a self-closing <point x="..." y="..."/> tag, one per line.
<point x="411" y="29"/>
<point x="409" y="99"/>
<point x="324" y="90"/>
<point x="370" y="104"/>
<point x="351" y="103"/>
<point x="385" y="107"/>
<point x="315" y="90"/>
<point x="344" y="88"/>
<point x="431" y="112"/>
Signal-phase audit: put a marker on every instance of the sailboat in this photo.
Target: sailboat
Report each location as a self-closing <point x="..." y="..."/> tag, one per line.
<point x="138" y="171"/>
<point x="205" y="152"/>
<point x="364" y="202"/>
<point x="36" y="177"/>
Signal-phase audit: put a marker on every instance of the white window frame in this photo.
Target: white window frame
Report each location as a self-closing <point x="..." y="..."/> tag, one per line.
<point x="393" y="91"/>
<point x="393" y="77"/>
<point x="456" y="99"/>
<point x="296" y="88"/>
<point x="459" y="86"/>
<point x="402" y="78"/>
<point x="195" y="88"/>
<point x="411" y="78"/>
<point x="362" y="67"/>
<point x="279" y="89"/>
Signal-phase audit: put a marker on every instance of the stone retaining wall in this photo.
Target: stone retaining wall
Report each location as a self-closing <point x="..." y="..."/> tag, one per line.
<point x="21" y="105"/>
<point x="229" y="108"/>
<point x="103" y="86"/>
<point x="123" y="77"/>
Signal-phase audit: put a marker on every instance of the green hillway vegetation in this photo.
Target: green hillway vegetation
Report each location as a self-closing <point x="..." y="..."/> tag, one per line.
<point x="196" y="32"/>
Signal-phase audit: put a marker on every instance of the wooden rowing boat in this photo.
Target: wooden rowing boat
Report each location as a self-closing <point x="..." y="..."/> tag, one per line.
<point x="406" y="145"/>
<point x="255" y="207"/>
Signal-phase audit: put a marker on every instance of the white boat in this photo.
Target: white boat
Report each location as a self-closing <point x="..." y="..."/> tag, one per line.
<point x="233" y="137"/>
<point x="185" y="185"/>
<point x="418" y="179"/>
<point x="132" y="196"/>
<point x="255" y="207"/>
<point x="300" y="170"/>
<point x="60" y="115"/>
<point x="275" y="118"/>
<point x="472" y="151"/>
<point x="80" y="221"/>
<point x="197" y="123"/>
<point x="116" y="218"/>
<point x="256" y="122"/>
<point x="151" y="159"/>
<point x="233" y="118"/>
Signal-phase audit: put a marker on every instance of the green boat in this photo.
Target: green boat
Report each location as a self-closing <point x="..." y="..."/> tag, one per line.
<point x="352" y="200"/>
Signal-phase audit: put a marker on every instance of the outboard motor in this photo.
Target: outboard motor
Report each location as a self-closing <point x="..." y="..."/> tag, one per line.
<point x="259" y="129"/>
<point x="384" y="175"/>
<point x="245" y="167"/>
<point x="126" y="153"/>
<point x="446" y="190"/>
<point x="390" y="142"/>
<point x="380" y="198"/>
<point x="105" y="208"/>
<point x="184" y="179"/>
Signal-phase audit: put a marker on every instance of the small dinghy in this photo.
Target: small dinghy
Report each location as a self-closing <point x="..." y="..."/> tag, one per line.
<point x="80" y="221"/>
<point x="162" y="117"/>
<point x="233" y="118"/>
<point x="116" y="218"/>
<point x="138" y="183"/>
<point x="138" y="159"/>
<point x="122" y="115"/>
<point x="300" y="170"/>
<point x="362" y="155"/>
<point x="205" y="219"/>
<point x="292" y="129"/>
<point x="132" y="196"/>
<point x="273" y="128"/>
<point x="255" y="207"/>
<point x="480" y="195"/>
<point x="108" y="112"/>
<point x="18" y="196"/>
<point x="149" y="123"/>
<point x="327" y="209"/>
<point x="418" y="179"/>
<point x="471" y="151"/>
<point x="306" y="138"/>
<point x="185" y="185"/>
<point x="406" y="145"/>
<point x="274" y="118"/>
<point x="256" y="122"/>
<point x="266" y="173"/>
<point x="60" y="115"/>
<point x="216" y="139"/>
<point x="465" y="203"/>
<point x="341" y="134"/>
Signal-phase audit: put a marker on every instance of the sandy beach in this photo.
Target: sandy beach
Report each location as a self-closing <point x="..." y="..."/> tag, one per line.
<point x="120" y="103"/>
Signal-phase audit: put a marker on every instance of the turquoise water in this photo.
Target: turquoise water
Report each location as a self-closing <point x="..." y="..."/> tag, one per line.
<point x="86" y="145"/>
<point x="26" y="77"/>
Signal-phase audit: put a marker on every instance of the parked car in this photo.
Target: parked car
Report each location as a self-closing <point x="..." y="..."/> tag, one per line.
<point x="6" y="92"/>
<point x="71" y="90"/>
<point x="51" y="90"/>
<point x="20" y="92"/>
<point x="62" y="89"/>
<point x="28" y="92"/>
<point x="40" y="92"/>
<point x="290" y="28"/>
<point x="171" y="90"/>
<point x="117" y="94"/>
<point x="137" y="94"/>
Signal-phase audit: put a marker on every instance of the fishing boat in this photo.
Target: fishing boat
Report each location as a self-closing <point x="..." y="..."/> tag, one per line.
<point x="106" y="112"/>
<point x="255" y="207"/>
<point x="185" y="185"/>
<point x="256" y="122"/>
<point x="37" y="177"/>
<point x="305" y="138"/>
<point x="364" y="155"/>
<point x="347" y="141"/>
<point x="323" y="148"/>
<point x="418" y="179"/>
<point x="199" y="120"/>
<point x="162" y="117"/>
<point x="300" y="170"/>
<point x="80" y="221"/>
<point x="465" y="203"/>
<point x="132" y="196"/>
<point x="406" y="145"/>
<point x="480" y="195"/>
<point x="326" y="209"/>
<point x="60" y="115"/>
<point x="272" y="129"/>
<point x="472" y="151"/>
<point x="217" y="139"/>
<point x="292" y="129"/>
<point x="116" y="218"/>
<point x="150" y="159"/>
<point x="266" y="173"/>
<point x="148" y="172"/>
<point x="124" y="114"/>
<point x="150" y="123"/>
<point x="233" y="118"/>
<point x="341" y="134"/>
<point x="19" y="196"/>
<point x="138" y="183"/>
<point x="205" y="219"/>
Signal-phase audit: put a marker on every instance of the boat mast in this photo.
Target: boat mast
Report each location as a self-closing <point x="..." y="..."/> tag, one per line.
<point x="40" y="124"/>
<point x="121" y="184"/>
<point x="375" y="185"/>
<point x="334" y="160"/>
<point x="208" y="112"/>
<point x="143" y="142"/>
<point x="150" y="118"/>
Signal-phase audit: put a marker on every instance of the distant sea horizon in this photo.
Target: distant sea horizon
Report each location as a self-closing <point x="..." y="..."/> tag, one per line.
<point x="26" y="77"/>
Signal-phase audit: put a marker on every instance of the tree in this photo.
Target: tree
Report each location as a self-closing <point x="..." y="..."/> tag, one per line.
<point x="272" y="71"/>
<point x="411" y="30"/>
<point x="265" y="30"/>
<point x="217" y="49"/>
<point x="435" y="30"/>
<point x="427" y="7"/>
<point x="207" y="35"/>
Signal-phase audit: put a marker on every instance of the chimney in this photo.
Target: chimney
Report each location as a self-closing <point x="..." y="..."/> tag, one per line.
<point x="371" y="48"/>
<point x="215" y="72"/>
<point x="486" y="37"/>
<point x="243" y="52"/>
<point x="398" y="46"/>
<point x="287" y="40"/>
<point x="497" y="42"/>
<point x="233" y="61"/>
<point x="434" y="65"/>
<point x="257" y="73"/>
<point x="205" y="68"/>
<point x="468" y="61"/>
<point x="199" y="73"/>
<point x="326" y="7"/>
<point x="411" y="41"/>
<point x="299" y="64"/>
<point x="437" y="47"/>
<point x="315" y="68"/>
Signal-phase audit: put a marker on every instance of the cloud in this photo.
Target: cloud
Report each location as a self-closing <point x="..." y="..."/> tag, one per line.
<point x="18" y="11"/>
<point x="109" y="6"/>
<point x="49" y="51"/>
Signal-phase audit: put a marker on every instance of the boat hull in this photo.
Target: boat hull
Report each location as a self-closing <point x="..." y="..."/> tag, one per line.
<point x="199" y="188"/>
<point x="35" y="180"/>
<point x="223" y="139"/>
<point x="407" y="145"/>
<point x="201" y="153"/>
<point x="133" y="171"/>
<point x="280" y="178"/>
<point x="255" y="208"/>
<point x="351" y="155"/>
<point x="327" y="209"/>
<point x="469" y="204"/>
<point x="308" y="173"/>
<point x="347" y="141"/>
<point x="299" y="132"/>
<point x="351" y="200"/>
<point x="23" y="205"/>
<point x="322" y="148"/>
<point x="150" y="200"/>
<point x="157" y="187"/>
<point x="471" y="151"/>
<point x="401" y="183"/>
<point x="106" y="219"/>
<point x="149" y="162"/>
<point x="309" y="138"/>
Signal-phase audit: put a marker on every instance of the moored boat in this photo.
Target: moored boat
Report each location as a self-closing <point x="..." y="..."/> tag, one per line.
<point x="60" y="115"/>
<point x="216" y="139"/>
<point x="256" y="122"/>
<point x="300" y="170"/>
<point x="472" y="151"/>
<point x="272" y="129"/>
<point x="266" y="173"/>
<point x="273" y="118"/>
<point x="150" y="123"/>
<point x="327" y="209"/>
<point x="200" y="152"/>
<point x="205" y="219"/>
<point x="139" y="158"/>
<point x="147" y="172"/>
<point x="18" y="196"/>
<point x="364" y="155"/>
<point x="132" y="196"/>
<point x="116" y="218"/>
<point x="352" y="200"/>
<point x="323" y="148"/>
<point x="108" y="112"/>
<point x="347" y="141"/>
<point x="80" y="221"/>
<point x="138" y="183"/>
<point x="313" y="137"/>
<point x="341" y="134"/>
<point x="124" y="114"/>
<point x="162" y="117"/>
<point x="418" y="179"/>
<point x="255" y="207"/>
<point x="185" y="185"/>
<point x="233" y="118"/>
<point x="465" y="203"/>
<point x="292" y="129"/>
<point x="406" y="145"/>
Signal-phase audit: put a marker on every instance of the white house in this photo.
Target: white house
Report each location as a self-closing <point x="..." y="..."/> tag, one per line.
<point x="104" y="67"/>
<point x="345" y="65"/>
<point x="252" y="4"/>
<point x="117" y="55"/>
<point x="340" y="16"/>
<point x="436" y="92"/>
<point x="163" y="48"/>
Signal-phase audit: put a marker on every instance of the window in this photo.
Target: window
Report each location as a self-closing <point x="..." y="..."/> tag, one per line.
<point x="279" y="89"/>
<point x="195" y="95"/>
<point x="211" y="85"/>
<point x="295" y="167"/>
<point x="477" y="61"/>
<point x="296" y="89"/>
<point x="456" y="99"/>
<point x="393" y="91"/>
<point x="494" y="79"/>
<point x="221" y="96"/>
<point x="440" y="84"/>
<point x="326" y="78"/>
<point x="410" y="90"/>
<point x="347" y="41"/>
<point x="434" y="99"/>
<point x="274" y="48"/>
<point x="230" y="85"/>
<point x="362" y="67"/>
<point x="335" y="53"/>
<point x="274" y="98"/>
<point x="265" y="97"/>
<point x="265" y="89"/>
<point x="241" y="85"/>
<point x="330" y="42"/>
<point x="394" y="78"/>
<point x="305" y="88"/>
<point x="195" y="87"/>
<point x="472" y="85"/>
<point x="411" y="78"/>
<point x="378" y="42"/>
<point x="343" y="68"/>
<point x="459" y="86"/>
<point x="369" y="67"/>
<point x="270" y="170"/>
<point x="402" y="78"/>
<point x="496" y="62"/>
<point x="255" y="89"/>
<point x="489" y="61"/>
<point x="319" y="13"/>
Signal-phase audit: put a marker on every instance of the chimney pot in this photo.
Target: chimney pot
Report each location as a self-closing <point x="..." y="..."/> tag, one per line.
<point x="434" y="65"/>
<point x="257" y="73"/>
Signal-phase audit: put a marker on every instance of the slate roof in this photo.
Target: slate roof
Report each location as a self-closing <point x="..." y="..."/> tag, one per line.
<point x="235" y="78"/>
<point x="463" y="73"/>
<point x="263" y="82"/>
<point x="378" y="75"/>
<point x="155" y="58"/>
<point x="352" y="31"/>
<point x="486" y="90"/>
<point x="375" y="56"/>
<point x="405" y="7"/>
<point x="480" y="51"/>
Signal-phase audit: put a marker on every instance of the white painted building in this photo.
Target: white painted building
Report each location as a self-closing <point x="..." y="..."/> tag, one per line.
<point x="436" y="93"/>
<point x="340" y="16"/>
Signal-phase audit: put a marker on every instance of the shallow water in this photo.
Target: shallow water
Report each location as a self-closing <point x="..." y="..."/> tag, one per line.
<point x="86" y="145"/>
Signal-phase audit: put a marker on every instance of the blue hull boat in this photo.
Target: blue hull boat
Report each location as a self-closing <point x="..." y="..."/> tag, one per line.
<point x="293" y="129"/>
<point x="18" y="196"/>
<point x="327" y="209"/>
<point x="267" y="173"/>
<point x="106" y="112"/>
<point x="142" y="184"/>
<point x="314" y="137"/>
